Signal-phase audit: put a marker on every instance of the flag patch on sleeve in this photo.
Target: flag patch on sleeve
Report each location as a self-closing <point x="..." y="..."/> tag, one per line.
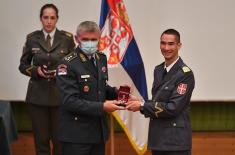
<point x="62" y="69"/>
<point x="182" y="88"/>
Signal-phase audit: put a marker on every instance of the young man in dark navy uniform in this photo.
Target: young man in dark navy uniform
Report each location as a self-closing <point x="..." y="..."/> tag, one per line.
<point x="169" y="129"/>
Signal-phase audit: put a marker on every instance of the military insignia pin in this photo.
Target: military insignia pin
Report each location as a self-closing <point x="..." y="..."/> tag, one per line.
<point x="83" y="58"/>
<point x="86" y="88"/>
<point x="182" y="88"/>
<point x="104" y="69"/>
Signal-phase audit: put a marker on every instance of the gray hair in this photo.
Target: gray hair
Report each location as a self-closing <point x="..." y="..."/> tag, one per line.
<point x="87" y="26"/>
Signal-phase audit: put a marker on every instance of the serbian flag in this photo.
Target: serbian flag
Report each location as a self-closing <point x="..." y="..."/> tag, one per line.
<point x="125" y="67"/>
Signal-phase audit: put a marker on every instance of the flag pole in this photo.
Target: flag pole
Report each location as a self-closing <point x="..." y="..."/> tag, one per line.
<point x="111" y="135"/>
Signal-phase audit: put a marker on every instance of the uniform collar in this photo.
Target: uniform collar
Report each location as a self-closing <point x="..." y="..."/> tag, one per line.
<point x="168" y="68"/>
<point x="52" y="34"/>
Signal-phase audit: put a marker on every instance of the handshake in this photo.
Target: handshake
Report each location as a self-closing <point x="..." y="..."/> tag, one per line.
<point x="125" y="101"/>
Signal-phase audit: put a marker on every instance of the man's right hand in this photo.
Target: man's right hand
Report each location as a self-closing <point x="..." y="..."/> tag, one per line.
<point x="112" y="105"/>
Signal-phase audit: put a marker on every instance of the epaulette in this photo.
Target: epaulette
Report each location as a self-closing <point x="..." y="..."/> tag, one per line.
<point x="186" y="69"/>
<point x="70" y="56"/>
<point x="67" y="33"/>
<point x="32" y="33"/>
<point x="100" y="54"/>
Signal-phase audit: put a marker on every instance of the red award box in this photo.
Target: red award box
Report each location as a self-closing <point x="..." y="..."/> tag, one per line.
<point x="123" y="95"/>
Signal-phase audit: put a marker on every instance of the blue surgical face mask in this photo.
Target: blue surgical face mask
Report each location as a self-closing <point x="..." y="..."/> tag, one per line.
<point x="89" y="47"/>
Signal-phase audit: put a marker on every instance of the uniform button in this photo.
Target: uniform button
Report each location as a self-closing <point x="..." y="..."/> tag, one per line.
<point x="49" y="63"/>
<point x="99" y="92"/>
<point x="48" y="54"/>
<point x="85" y="79"/>
<point x="166" y="87"/>
<point x="174" y="124"/>
<point x="151" y="119"/>
<point x="75" y="118"/>
<point x="48" y="80"/>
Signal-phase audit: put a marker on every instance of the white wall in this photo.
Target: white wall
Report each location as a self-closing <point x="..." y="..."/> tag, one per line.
<point x="206" y="27"/>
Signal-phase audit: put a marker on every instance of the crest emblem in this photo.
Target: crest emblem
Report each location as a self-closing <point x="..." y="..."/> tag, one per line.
<point x="116" y="34"/>
<point x="62" y="69"/>
<point x="182" y="88"/>
<point x="104" y="69"/>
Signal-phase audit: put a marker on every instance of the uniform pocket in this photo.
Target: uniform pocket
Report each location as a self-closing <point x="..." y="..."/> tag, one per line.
<point x="165" y="92"/>
<point x="85" y="85"/>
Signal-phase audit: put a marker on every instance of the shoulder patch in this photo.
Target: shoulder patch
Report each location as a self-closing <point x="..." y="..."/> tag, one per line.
<point x="70" y="56"/>
<point x="67" y="33"/>
<point x="186" y="69"/>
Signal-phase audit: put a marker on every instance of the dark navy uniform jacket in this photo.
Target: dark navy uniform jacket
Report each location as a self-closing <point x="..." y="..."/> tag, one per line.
<point x="42" y="91"/>
<point x="83" y="88"/>
<point x="169" y="128"/>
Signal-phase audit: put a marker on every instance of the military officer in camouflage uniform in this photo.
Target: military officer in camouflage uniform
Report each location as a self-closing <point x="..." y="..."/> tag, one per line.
<point x="42" y="51"/>
<point x="86" y="97"/>
<point x="169" y="128"/>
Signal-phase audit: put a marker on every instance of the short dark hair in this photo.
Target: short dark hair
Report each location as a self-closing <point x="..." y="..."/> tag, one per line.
<point x="49" y="6"/>
<point x="172" y="32"/>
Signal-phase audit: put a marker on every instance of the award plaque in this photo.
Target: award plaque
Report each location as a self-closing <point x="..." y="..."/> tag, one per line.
<point x="123" y="95"/>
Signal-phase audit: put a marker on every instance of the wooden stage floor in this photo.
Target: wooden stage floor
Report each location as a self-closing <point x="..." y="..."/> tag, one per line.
<point x="204" y="143"/>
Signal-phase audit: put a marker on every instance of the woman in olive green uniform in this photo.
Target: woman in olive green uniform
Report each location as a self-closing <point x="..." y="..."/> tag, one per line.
<point x="42" y="52"/>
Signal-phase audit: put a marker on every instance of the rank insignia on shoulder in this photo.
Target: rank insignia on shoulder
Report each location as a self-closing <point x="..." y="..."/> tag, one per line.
<point x="186" y="69"/>
<point x="62" y="69"/>
<point x="70" y="57"/>
<point x="82" y="56"/>
<point x="67" y="33"/>
<point x="30" y="34"/>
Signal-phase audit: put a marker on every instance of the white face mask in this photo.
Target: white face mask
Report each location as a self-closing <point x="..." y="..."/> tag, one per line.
<point x="89" y="47"/>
